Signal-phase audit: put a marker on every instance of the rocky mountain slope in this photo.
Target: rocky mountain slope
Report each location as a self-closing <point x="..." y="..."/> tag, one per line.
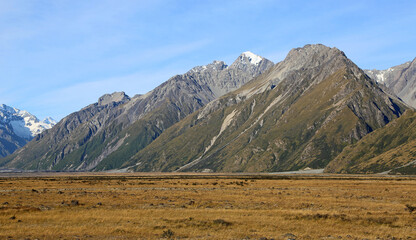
<point x="401" y="80"/>
<point x="105" y="134"/>
<point x="391" y="149"/>
<point x="17" y="127"/>
<point x="301" y="113"/>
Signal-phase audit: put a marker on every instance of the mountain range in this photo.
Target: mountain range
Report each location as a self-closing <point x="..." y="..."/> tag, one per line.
<point x="117" y="126"/>
<point x="299" y="114"/>
<point x="17" y="127"/>
<point x="315" y="109"/>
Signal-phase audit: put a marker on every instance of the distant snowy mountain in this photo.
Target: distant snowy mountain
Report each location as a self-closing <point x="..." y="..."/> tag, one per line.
<point x="252" y="58"/>
<point x="49" y="120"/>
<point x="17" y="127"/>
<point x="400" y="79"/>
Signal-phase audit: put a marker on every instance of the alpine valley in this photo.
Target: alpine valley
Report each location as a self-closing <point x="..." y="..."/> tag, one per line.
<point x="316" y="109"/>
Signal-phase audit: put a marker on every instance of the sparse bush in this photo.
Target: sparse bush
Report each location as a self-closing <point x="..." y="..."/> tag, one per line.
<point x="74" y="203"/>
<point x="222" y="222"/>
<point x="410" y="208"/>
<point x="223" y="212"/>
<point x="167" y="234"/>
<point x="382" y="220"/>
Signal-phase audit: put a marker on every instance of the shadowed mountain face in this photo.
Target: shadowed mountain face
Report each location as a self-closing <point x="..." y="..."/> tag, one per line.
<point x="391" y="149"/>
<point x="401" y="80"/>
<point x="9" y="141"/>
<point x="105" y="134"/>
<point x="301" y="113"/>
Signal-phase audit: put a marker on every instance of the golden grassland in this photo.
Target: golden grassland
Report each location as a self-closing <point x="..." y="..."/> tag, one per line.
<point x="207" y="207"/>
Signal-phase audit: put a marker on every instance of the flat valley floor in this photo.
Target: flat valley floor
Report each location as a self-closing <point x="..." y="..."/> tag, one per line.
<point x="167" y="206"/>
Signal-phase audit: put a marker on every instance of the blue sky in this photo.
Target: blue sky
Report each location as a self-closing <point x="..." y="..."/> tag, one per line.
<point x="59" y="56"/>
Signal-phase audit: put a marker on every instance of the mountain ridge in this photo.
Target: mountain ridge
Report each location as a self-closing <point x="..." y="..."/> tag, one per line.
<point x="391" y="149"/>
<point x="117" y="125"/>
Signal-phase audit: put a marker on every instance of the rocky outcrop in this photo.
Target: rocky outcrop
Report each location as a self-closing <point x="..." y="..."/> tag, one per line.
<point x="401" y="80"/>
<point x="116" y="97"/>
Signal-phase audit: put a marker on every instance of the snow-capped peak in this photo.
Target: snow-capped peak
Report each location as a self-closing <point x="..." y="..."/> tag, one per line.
<point x="23" y="123"/>
<point x="253" y="58"/>
<point x="49" y="120"/>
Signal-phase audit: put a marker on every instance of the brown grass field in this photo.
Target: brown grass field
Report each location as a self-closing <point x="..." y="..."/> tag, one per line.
<point x="131" y="206"/>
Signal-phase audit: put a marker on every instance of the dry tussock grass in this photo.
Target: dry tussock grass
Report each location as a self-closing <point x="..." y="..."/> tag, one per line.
<point x="120" y="207"/>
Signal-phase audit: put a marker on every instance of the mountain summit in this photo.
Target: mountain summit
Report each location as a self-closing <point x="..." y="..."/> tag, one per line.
<point x="251" y="57"/>
<point x="116" y="97"/>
